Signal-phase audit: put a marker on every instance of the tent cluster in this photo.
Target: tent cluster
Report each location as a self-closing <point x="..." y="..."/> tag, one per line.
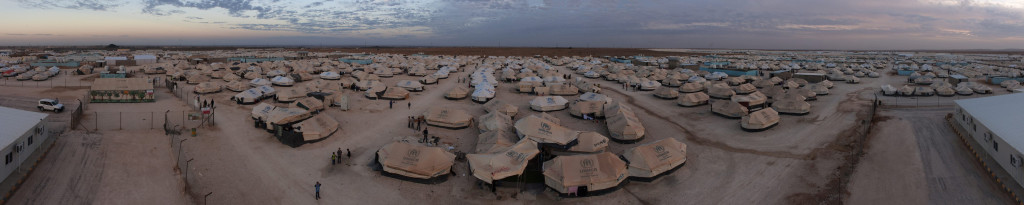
<point x="295" y="125"/>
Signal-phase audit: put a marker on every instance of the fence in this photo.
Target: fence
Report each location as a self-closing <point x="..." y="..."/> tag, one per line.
<point x="197" y="102"/>
<point x="836" y="192"/>
<point x="140" y="120"/>
<point x="64" y="79"/>
<point x="924" y="101"/>
<point x="185" y="163"/>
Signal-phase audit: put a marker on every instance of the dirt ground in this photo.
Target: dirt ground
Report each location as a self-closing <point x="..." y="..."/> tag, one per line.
<point x="240" y="164"/>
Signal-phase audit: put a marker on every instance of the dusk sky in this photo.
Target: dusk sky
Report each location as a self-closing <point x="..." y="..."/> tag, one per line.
<point x="761" y="24"/>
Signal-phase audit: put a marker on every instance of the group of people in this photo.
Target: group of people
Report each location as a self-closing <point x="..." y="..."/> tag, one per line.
<point x="336" y="156"/>
<point x="415" y="122"/>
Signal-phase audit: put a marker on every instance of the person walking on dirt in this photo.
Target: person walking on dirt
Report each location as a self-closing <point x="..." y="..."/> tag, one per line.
<point x="317" y="190"/>
<point x="391" y="104"/>
<point x="425" y="135"/>
<point x="410" y="105"/>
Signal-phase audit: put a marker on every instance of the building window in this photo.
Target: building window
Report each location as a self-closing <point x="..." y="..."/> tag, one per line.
<point x="30" y="139"/>
<point x="9" y="157"/>
<point x="995" y="145"/>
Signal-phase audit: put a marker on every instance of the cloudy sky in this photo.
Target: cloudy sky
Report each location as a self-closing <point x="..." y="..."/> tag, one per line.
<point x="766" y="24"/>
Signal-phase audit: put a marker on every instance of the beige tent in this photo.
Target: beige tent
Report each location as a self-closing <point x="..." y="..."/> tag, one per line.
<point x="721" y="91"/>
<point x="494" y="142"/>
<point x="290" y="95"/>
<point x="734" y="81"/>
<point x="395" y="93"/>
<point x="284" y="115"/>
<point x="818" y="89"/>
<point x="543" y="131"/>
<point x="751" y="100"/>
<point x="693" y="99"/>
<point x="497" y="166"/>
<point x="906" y="91"/>
<point x="410" y="85"/>
<point x="502" y="107"/>
<point x="745" y="88"/>
<point x="550" y="117"/>
<point x="666" y="93"/>
<point x="945" y="91"/>
<point x="773" y="91"/>
<point x="237" y="86"/>
<point x="590" y="96"/>
<point x="728" y="108"/>
<point x="762" y="83"/>
<point x="622" y="122"/>
<point x="548" y="103"/>
<point x="458" y="92"/>
<point x="691" y="87"/>
<point x="447" y="117"/>
<point x="789" y="96"/>
<point x="804" y="91"/>
<point x="563" y="89"/>
<point x="415" y="160"/>
<point x="595" y="172"/>
<point x="494" y="121"/>
<point x="589" y="142"/>
<point x="262" y="111"/>
<point x="317" y="128"/>
<point x="653" y="159"/>
<point x="590" y="108"/>
<point x="208" y="87"/>
<point x="792" y="106"/>
<point x="309" y="103"/>
<point x="760" y="120"/>
<point x="341" y="100"/>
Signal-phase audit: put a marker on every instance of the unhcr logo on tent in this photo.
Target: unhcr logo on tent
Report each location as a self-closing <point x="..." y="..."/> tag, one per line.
<point x="661" y="152"/>
<point x="412" y="156"/>
<point x="545" y="128"/>
<point x="587" y="167"/>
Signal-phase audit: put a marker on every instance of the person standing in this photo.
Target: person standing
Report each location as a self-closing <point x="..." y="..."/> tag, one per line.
<point x="334" y="158"/>
<point x="410" y="105"/>
<point x="339" y="151"/>
<point x="408" y="122"/>
<point x="348" y="153"/>
<point x="391" y="104"/>
<point x="317" y="190"/>
<point x="425" y="135"/>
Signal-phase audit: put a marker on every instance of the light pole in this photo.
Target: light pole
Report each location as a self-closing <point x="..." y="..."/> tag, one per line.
<point x="179" y="150"/>
<point x="186" y="169"/>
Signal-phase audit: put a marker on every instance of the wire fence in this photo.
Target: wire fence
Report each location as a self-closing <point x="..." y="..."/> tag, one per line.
<point x="924" y="101"/>
<point x="66" y="78"/>
<point x="180" y="119"/>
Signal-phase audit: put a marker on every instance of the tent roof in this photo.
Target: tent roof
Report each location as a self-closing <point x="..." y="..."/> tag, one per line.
<point x="654" y="158"/>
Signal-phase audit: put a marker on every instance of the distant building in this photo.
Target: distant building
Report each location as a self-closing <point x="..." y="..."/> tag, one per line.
<point x="23" y="132"/>
<point x="995" y="123"/>
<point x="145" y="59"/>
<point x="114" y="60"/>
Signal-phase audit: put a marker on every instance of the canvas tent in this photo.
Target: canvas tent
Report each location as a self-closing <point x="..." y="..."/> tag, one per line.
<point x="494" y="121"/>
<point x="237" y="86"/>
<point x="792" y="106"/>
<point x="693" y="99"/>
<point x="745" y="88"/>
<point x="317" y="128"/>
<point x="691" y="87"/>
<point x="888" y="90"/>
<point x="589" y="142"/>
<point x="502" y="107"/>
<point x="563" y="89"/>
<point x="309" y="103"/>
<point x="249" y="96"/>
<point x="590" y="96"/>
<point x="622" y="123"/>
<point x="410" y="85"/>
<point x="494" y="142"/>
<point x="394" y="93"/>
<point x="458" y="92"/>
<point x="262" y="111"/>
<point x="415" y="161"/>
<point x="760" y="120"/>
<point x="728" y="108"/>
<point x="544" y="131"/>
<point x="290" y="95"/>
<point x="207" y="87"/>
<point x="651" y="160"/>
<point x="497" y="166"/>
<point x="666" y="93"/>
<point x="447" y="117"/>
<point x="590" y="108"/>
<point x="587" y="173"/>
<point x="548" y="103"/>
<point x="721" y="91"/>
<point x="340" y="100"/>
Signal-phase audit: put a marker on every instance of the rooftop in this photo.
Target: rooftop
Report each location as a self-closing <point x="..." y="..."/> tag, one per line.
<point x="15" y="122"/>
<point x="1002" y="115"/>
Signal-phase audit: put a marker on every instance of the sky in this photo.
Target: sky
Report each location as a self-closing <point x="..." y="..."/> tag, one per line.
<point x="726" y="24"/>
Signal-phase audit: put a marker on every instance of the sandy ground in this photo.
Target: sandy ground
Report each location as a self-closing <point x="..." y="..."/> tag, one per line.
<point x="240" y="164"/>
